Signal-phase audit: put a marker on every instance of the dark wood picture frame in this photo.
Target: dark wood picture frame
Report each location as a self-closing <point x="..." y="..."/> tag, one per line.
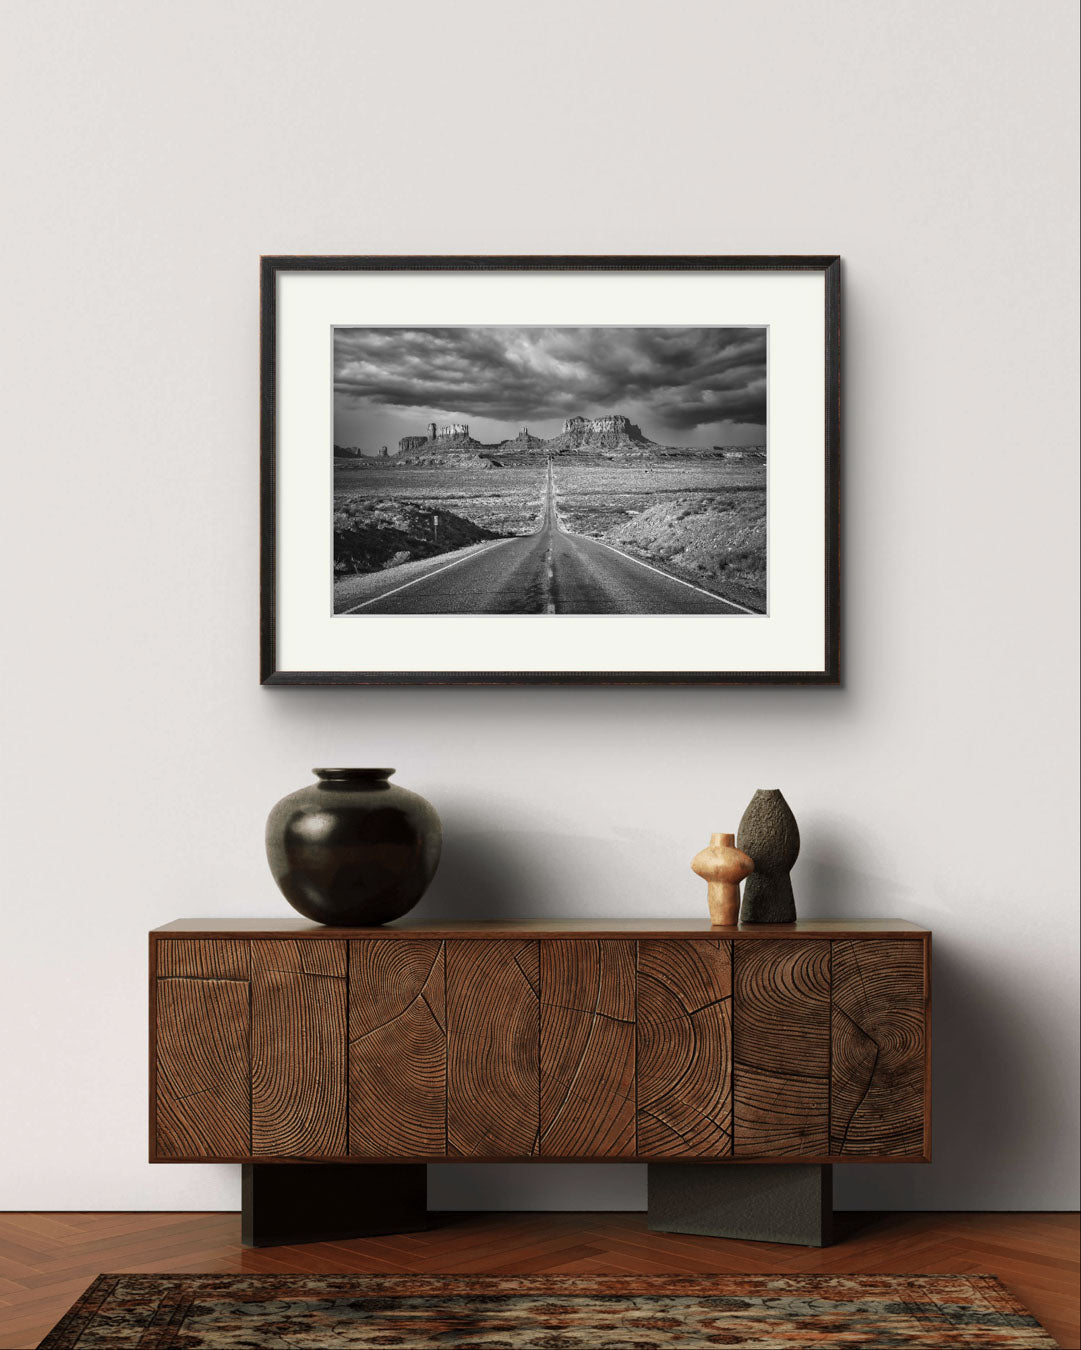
<point x="830" y="268"/>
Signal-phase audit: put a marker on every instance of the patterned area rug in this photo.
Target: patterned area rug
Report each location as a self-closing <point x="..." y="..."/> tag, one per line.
<point x="422" y="1312"/>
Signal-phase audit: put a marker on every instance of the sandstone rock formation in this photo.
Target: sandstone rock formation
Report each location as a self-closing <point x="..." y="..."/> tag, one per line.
<point x="594" y="426"/>
<point x="613" y="436"/>
<point x="523" y="442"/>
<point x="453" y="436"/>
<point x="612" y="432"/>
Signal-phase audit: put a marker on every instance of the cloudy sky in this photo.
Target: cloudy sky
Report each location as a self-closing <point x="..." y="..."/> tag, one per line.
<point x="683" y="386"/>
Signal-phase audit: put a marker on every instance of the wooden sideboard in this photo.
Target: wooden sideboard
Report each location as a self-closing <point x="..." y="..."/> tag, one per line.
<point x="279" y="1041"/>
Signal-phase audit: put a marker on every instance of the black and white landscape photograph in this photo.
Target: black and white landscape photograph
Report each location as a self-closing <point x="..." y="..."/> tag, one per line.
<point x="497" y="470"/>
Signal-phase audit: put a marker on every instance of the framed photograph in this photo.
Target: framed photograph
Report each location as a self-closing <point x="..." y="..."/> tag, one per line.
<point x="573" y="470"/>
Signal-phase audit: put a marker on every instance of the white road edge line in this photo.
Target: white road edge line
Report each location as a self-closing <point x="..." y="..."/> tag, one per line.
<point x="417" y="580"/>
<point x="690" y="585"/>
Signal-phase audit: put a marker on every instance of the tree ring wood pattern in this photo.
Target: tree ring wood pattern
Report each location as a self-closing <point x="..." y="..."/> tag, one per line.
<point x="684" y="1048"/>
<point x="781" y="1048"/>
<point x="493" y="1063"/>
<point x="397" y="1049"/>
<point x="217" y="960"/>
<point x="878" y="1018"/>
<point x="298" y="1035"/>
<point x="202" y="1082"/>
<point x="587" y="1049"/>
<point x="389" y="1046"/>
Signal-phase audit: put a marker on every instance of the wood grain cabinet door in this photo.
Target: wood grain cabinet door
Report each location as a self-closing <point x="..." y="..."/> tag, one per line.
<point x="202" y="1093"/>
<point x="298" y="1049"/>
<point x="493" y="1036"/>
<point x="587" y="1048"/>
<point x="781" y="1047"/>
<point x="397" y="1048"/>
<point x="879" y="1048"/>
<point x="684" y="1099"/>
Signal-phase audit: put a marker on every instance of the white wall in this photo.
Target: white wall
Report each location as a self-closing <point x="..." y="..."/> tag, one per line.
<point x="154" y="151"/>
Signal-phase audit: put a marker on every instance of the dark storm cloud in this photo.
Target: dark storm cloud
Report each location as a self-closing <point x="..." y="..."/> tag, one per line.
<point x="684" y="377"/>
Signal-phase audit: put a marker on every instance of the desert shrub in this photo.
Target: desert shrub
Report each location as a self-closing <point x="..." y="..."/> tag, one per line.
<point x="371" y="535"/>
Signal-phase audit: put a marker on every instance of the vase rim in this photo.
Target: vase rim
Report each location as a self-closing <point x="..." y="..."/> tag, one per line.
<point x="353" y="775"/>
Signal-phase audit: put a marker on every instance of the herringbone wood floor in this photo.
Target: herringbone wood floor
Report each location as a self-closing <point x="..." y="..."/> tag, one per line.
<point x="47" y="1260"/>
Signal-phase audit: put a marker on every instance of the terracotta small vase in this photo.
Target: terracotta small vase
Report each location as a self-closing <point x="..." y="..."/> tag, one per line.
<point x="724" y="866"/>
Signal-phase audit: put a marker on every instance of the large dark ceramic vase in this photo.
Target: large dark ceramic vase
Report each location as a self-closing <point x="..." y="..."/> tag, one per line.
<point x="353" y="850"/>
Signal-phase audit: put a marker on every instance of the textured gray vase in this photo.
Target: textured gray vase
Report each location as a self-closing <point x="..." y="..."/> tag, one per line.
<point x="769" y="834"/>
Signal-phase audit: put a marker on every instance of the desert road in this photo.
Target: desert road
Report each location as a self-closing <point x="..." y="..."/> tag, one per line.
<point x="549" y="572"/>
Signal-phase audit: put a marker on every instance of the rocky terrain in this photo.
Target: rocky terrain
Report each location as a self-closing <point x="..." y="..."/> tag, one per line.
<point x="613" y="436"/>
<point x="719" y="540"/>
<point x="700" y="519"/>
<point x="371" y="535"/>
<point x="446" y="457"/>
<point x="385" y="509"/>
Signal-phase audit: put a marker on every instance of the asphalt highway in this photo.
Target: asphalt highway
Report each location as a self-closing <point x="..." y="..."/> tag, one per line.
<point x="550" y="572"/>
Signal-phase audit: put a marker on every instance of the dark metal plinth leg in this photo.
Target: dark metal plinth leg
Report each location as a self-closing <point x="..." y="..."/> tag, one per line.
<point x="317" y="1202"/>
<point x="765" y="1202"/>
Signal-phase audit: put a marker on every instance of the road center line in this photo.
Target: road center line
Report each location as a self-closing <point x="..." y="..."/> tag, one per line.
<point x="690" y="585"/>
<point x="417" y="580"/>
<point x="549" y="525"/>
